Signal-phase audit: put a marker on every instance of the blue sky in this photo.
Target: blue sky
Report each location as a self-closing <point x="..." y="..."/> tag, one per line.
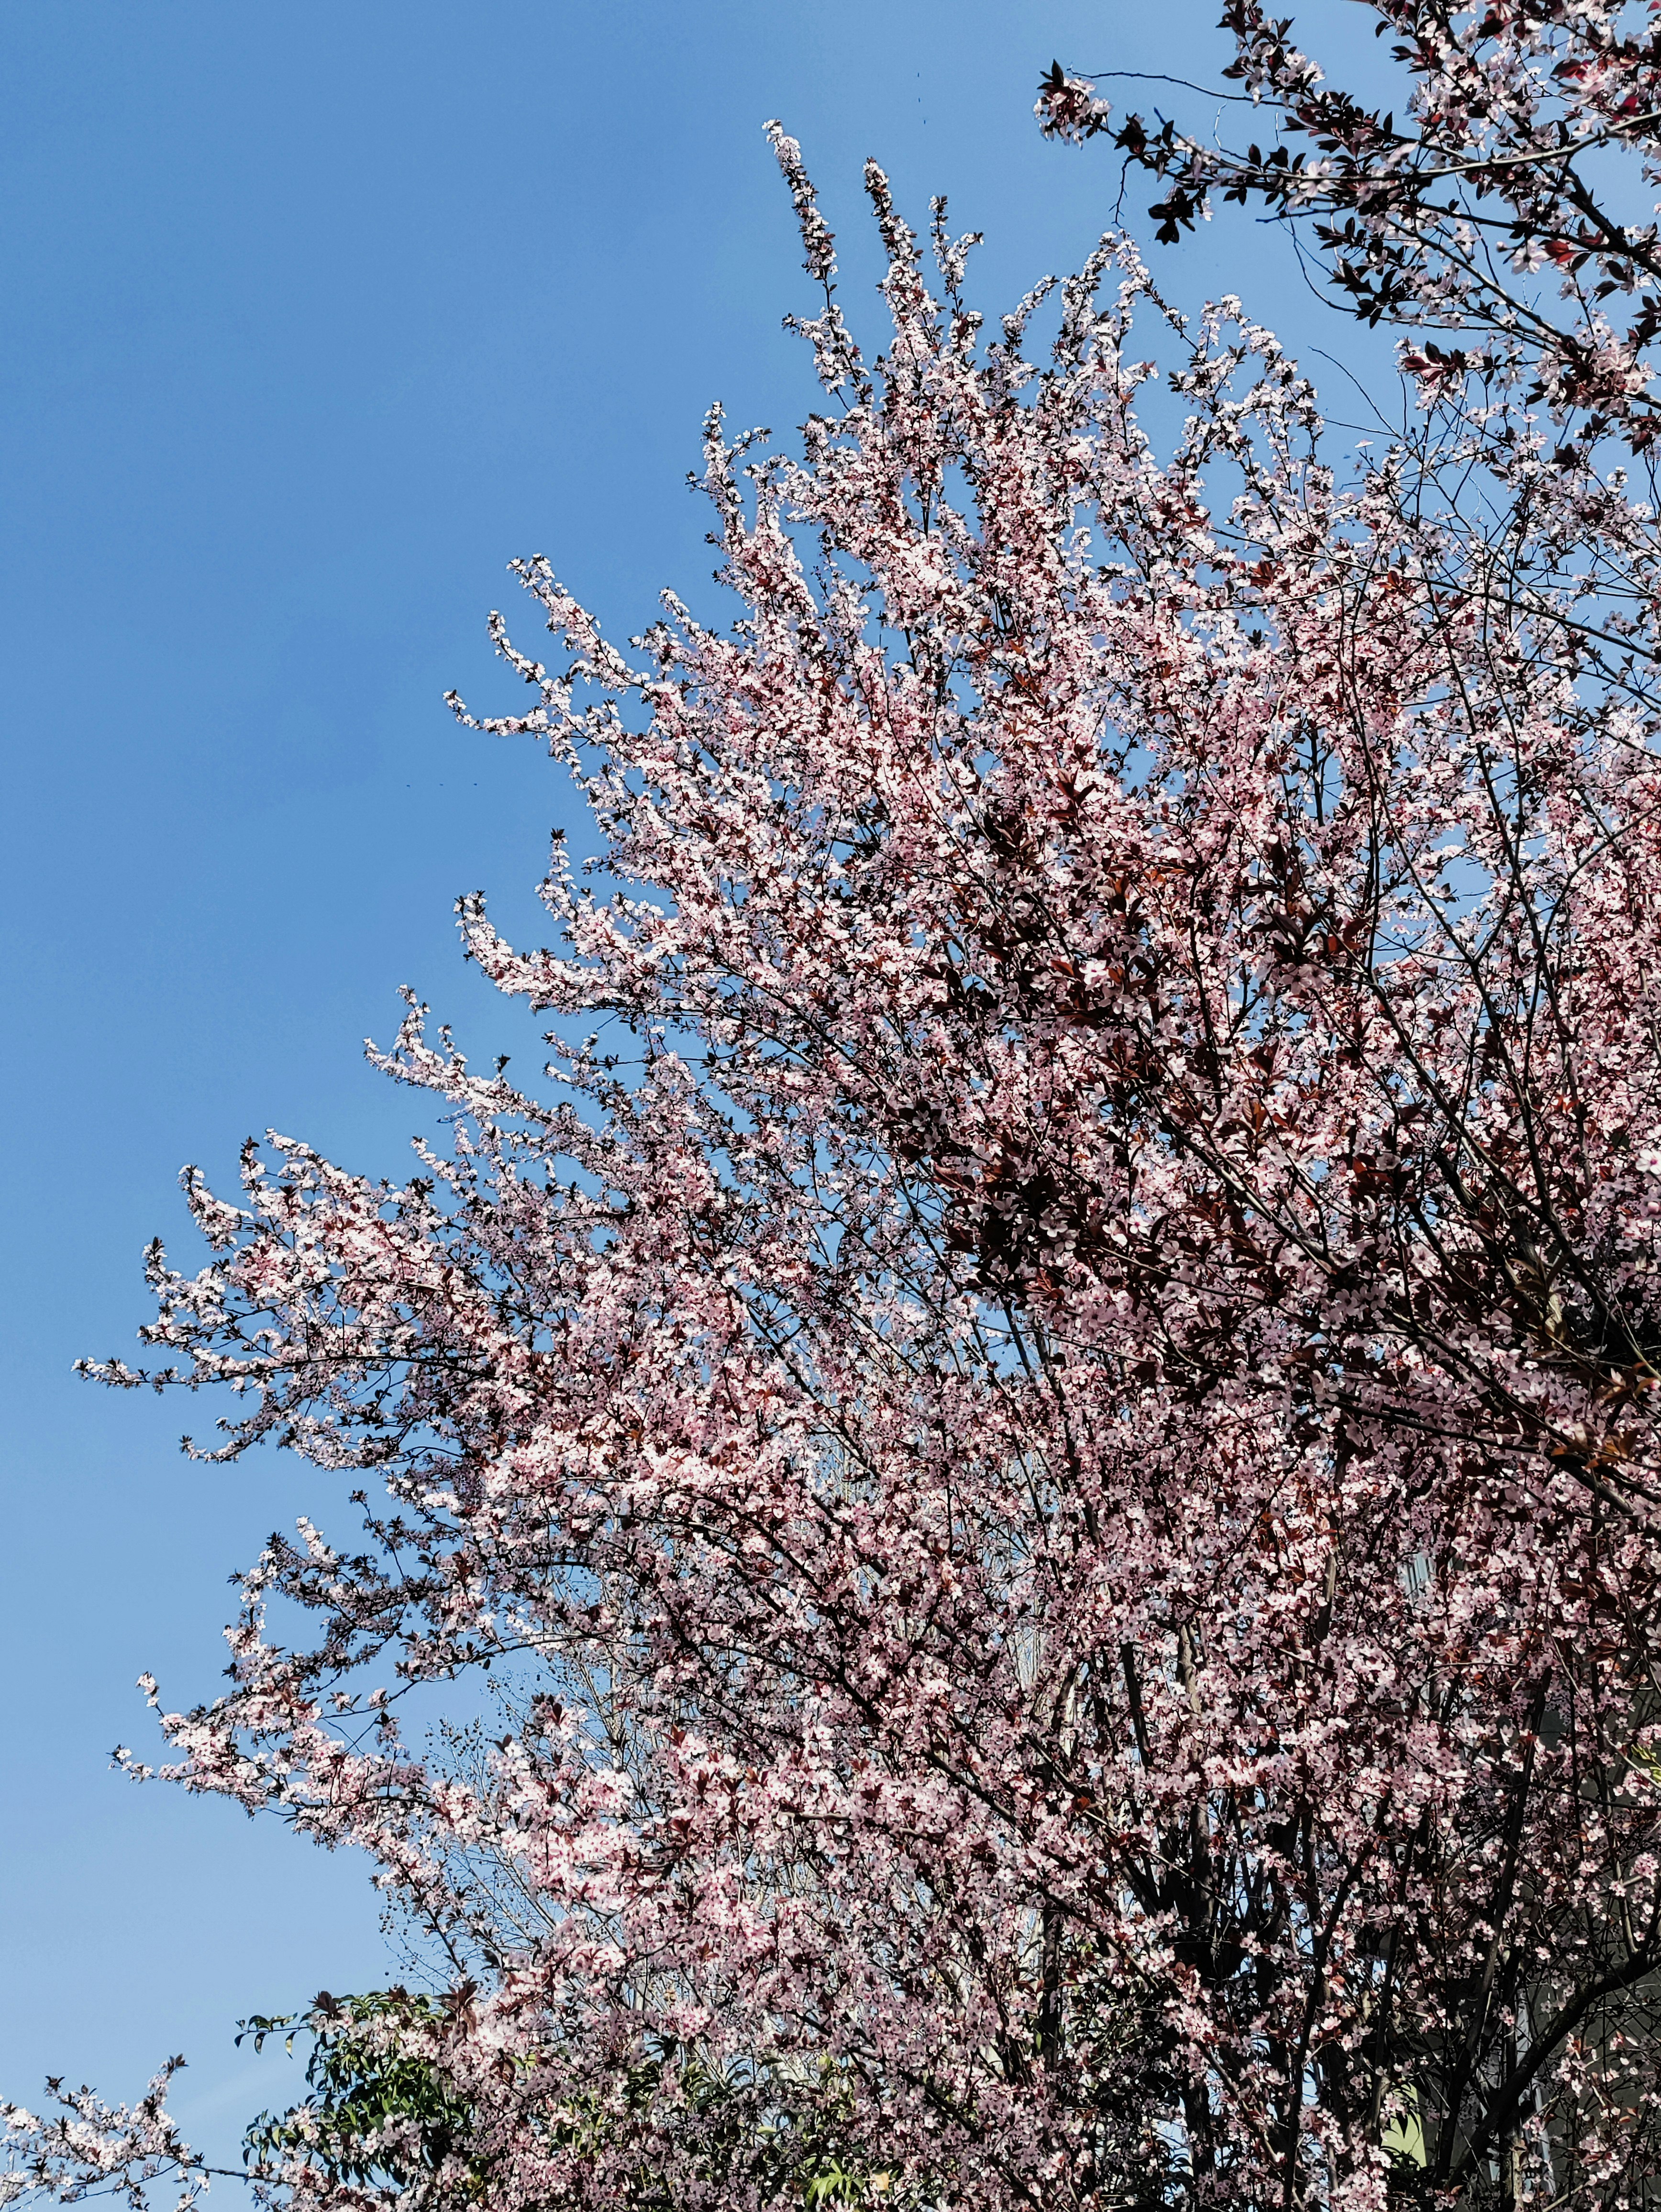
<point x="313" y="317"/>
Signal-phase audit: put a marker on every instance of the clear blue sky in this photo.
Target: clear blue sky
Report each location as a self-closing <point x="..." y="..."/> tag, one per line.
<point x="312" y="317"/>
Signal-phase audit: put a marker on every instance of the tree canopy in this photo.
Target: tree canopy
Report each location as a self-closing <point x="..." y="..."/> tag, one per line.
<point x="1045" y="1428"/>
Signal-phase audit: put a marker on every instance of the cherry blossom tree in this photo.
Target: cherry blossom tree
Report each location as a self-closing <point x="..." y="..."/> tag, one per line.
<point x="1044" y="1434"/>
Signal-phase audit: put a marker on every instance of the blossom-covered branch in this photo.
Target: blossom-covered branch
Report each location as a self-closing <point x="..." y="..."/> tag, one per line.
<point x="86" y="2148"/>
<point x="1503" y="214"/>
